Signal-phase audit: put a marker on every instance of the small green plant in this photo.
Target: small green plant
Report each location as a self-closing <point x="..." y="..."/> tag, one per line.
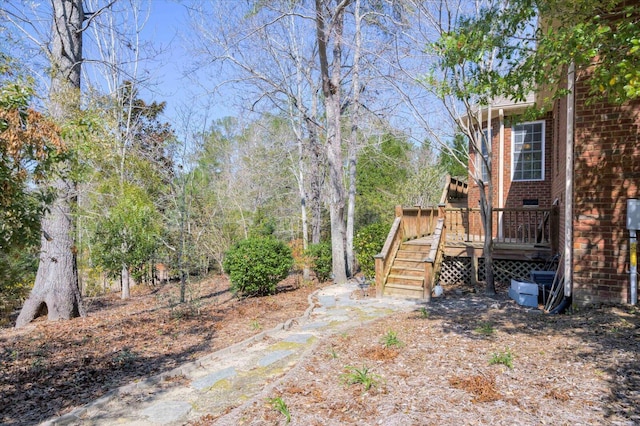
<point x="504" y="358"/>
<point x="486" y="329"/>
<point x="255" y="325"/>
<point x="125" y="357"/>
<point x="424" y="314"/>
<point x="332" y="353"/>
<point x="38" y="364"/>
<point x="11" y="354"/>
<point x="362" y="376"/>
<point x="280" y="406"/>
<point x="391" y="339"/>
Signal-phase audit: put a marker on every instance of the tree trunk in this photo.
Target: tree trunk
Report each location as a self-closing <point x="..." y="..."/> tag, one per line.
<point x="316" y="165"/>
<point x="124" y="276"/>
<point x="56" y="288"/>
<point x="486" y="213"/>
<point x="331" y="91"/>
<point x="56" y="292"/>
<point x="353" y="144"/>
<point x="306" y="270"/>
<point x="351" y="208"/>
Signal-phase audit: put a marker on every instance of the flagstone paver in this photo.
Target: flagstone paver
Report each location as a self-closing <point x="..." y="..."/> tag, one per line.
<point x="230" y="377"/>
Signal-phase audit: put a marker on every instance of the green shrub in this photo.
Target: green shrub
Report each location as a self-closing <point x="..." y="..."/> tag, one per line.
<point x="256" y="265"/>
<point x="367" y="243"/>
<point x="321" y="260"/>
<point x="504" y="358"/>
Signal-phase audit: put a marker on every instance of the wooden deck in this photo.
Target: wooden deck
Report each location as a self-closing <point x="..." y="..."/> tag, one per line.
<point x="501" y="250"/>
<point x="421" y="238"/>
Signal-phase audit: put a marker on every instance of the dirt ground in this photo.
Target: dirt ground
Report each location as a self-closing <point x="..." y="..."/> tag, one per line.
<point x="463" y="359"/>
<point x="468" y="360"/>
<point x="48" y="368"/>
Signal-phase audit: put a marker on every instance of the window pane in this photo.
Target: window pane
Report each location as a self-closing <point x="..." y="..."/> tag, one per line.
<point x="528" y="150"/>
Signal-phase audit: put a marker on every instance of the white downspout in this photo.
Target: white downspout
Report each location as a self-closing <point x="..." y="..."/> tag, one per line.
<point x="568" y="191"/>
<point x="490" y="148"/>
<point x="501" y="174"/>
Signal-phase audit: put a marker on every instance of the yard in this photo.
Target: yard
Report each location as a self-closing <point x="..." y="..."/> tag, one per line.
<point x="463" y="359"/>
<point x="468" y="360"/>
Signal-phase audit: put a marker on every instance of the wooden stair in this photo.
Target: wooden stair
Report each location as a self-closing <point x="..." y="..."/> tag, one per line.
<point x="409" y="263"/>
<point x="406" y="276"/>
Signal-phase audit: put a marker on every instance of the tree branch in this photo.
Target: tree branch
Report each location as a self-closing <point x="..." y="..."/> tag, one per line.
<point x="90" y="16"/>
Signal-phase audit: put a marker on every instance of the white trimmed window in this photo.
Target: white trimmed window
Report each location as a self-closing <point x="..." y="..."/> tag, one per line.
<point x="485" y="146"/>
<point x="528" y="151"/>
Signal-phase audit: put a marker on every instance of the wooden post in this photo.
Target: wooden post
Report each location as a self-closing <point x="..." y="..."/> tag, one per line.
<point x="418" y="219"/>
<point x="474" y="268"/>
<point x="428" y="278"/>
<point x="442" y="214"/>
<point x="554" y="229"/>
<point x="379" y="265"/>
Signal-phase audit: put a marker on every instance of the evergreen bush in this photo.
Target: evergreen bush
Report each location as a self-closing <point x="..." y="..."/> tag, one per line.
<point x="256" y="265"/>
<point x="321" y="260"/>
<point x="367" y="243"/>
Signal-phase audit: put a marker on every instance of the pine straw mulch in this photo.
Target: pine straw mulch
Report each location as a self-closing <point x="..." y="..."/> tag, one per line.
<point x="582" y="368"/>
<point x="579" y="368"/>
<point x="48" y="368"/>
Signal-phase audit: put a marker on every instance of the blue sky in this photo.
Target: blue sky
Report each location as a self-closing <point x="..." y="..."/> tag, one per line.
<point x="172" y="75"/>
<point x="165" y="31"/>
<point x="167" y="28"/>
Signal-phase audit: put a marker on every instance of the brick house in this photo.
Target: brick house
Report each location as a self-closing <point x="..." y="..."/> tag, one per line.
<point x="584" y="157"/>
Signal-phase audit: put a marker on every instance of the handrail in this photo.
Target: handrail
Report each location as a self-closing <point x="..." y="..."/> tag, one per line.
<point x="434" y="259"/>
<point x="446" y="189"/>
<point x="518" y="225"/>
<point x="384" y="259"/>
<point x="454" y="189"/>
<point x="410" y="223"/>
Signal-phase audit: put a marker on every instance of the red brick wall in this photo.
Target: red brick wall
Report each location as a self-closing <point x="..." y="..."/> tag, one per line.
<point x="514" y="192"/>
<point x="606" y="174"/>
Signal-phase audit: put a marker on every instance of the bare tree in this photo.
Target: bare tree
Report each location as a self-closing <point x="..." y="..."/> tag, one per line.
<point x="330" y="27"/>
<point x="306" y="60"/>
<point x="267" y="55"/>
<point x="352" y="151"/>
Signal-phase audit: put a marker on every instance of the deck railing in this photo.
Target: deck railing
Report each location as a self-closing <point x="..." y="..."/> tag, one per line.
<point x="527" y="225"/>
<point x="516" y="226"/>
<point x="410" y="223"/>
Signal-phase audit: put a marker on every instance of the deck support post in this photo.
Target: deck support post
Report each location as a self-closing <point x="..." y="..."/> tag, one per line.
<point x="428" y="279"/>
<point x="474" y="268"/>
<point x="379" y="267"/>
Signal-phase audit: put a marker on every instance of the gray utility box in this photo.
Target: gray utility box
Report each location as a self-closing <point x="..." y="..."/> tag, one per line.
<point x="525" y="294"/>
<point x="633" y="214"/>
<point x="544" y="279"/>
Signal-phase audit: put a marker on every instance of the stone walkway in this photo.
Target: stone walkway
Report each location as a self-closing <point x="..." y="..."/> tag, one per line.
<point x="234" y="376"/>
